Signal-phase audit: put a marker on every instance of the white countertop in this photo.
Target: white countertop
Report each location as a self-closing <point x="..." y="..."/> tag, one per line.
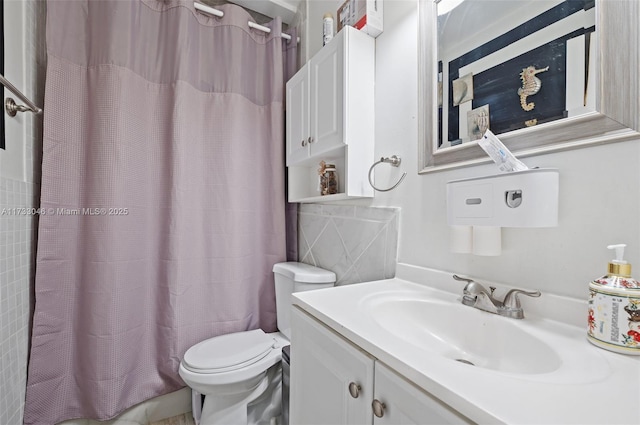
<point x="592" y="386"/>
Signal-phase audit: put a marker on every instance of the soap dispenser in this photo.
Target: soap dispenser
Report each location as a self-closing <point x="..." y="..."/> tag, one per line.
<point x="614" y="308"/>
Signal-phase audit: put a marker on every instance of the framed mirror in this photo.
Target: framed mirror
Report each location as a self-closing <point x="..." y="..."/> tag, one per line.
<point x="543" y="75"/>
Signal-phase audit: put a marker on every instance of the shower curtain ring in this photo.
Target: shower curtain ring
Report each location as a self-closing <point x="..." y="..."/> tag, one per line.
<point x="395" y="162"/>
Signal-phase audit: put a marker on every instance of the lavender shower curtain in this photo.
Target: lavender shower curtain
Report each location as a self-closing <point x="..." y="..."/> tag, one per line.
<point x="162" y="197"/>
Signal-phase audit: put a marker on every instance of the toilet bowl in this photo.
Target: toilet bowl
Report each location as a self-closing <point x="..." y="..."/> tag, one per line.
<point x="238" y="372"/>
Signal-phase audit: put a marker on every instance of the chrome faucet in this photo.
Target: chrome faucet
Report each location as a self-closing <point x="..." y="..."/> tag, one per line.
<point x="475" y="295"/>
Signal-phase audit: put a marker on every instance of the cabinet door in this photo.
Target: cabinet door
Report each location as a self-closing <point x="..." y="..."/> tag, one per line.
<point x="297" y="115"/>
<point x="327" y="97"/>
<point x="405" y="404"/>
<point x="323" y="366"/>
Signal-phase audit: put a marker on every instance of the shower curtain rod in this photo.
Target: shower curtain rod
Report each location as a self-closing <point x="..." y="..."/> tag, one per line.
<point x="10" y="105"/>
<point x="218" y="13"/>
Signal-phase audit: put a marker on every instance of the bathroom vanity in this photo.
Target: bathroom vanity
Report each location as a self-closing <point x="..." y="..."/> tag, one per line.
<point x="342" y="384"/>
<point x="404" y="351"/>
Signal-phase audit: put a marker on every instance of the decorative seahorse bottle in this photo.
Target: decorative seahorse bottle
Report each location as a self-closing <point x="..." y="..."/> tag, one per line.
<point x="614" y="308"/>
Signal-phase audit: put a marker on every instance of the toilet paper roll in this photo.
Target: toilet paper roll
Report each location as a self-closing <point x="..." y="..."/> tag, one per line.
<point x="461" y="239"/>
<point x="487" y="240"/>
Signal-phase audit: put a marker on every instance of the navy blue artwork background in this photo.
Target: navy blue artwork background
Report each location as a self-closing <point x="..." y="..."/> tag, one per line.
<point x="498" y="87"/>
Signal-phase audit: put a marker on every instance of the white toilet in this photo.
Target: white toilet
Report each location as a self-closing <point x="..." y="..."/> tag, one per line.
<point x="236" y="371"/>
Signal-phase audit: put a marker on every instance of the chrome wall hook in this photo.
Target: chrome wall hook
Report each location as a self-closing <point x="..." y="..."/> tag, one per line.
<point x="395" y="162"/>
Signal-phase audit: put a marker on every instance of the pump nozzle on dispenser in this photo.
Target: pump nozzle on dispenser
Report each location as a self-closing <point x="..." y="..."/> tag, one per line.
<point x="619" y="253"/>
<point x="619" y="267"/>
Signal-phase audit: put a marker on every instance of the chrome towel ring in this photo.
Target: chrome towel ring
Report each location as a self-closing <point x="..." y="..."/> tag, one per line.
<point x="395" y="162"/>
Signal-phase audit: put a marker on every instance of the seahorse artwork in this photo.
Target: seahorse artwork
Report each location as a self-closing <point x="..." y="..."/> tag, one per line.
<point x="530" y="86"/>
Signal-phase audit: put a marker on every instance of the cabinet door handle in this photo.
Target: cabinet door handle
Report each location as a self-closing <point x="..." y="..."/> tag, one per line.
<point x="378" y="408"/>
<point x="304" y="143"/>
<point x="310" y="140"/>
<point x="354" y="389"/>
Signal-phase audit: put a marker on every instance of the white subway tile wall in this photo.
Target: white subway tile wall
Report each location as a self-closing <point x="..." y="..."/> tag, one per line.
<point x="358" y="244"/>
<point x="16" y="272"/>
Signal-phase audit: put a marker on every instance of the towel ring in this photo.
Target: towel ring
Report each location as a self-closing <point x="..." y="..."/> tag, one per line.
<point x="395" y="162"/>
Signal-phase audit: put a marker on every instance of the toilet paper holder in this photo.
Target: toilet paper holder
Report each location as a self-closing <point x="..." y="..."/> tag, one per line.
<point x="526" y="198"/>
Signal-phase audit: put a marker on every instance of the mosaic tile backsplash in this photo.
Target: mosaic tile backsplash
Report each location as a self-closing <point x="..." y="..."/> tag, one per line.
<point x="358" y="244"/>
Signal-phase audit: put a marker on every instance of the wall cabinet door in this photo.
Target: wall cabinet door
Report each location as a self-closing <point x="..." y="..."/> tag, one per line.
<point x="406" y="404"/>
<point x="315" y="105"/>
<point x="323" y="368"/>
<point x="327" y="99"/>
<point x="298" y="132"/>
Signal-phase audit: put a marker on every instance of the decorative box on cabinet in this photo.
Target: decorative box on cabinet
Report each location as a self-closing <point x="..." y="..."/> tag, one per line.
<point x="334" y="382"/>
<point x="330" y="117"/>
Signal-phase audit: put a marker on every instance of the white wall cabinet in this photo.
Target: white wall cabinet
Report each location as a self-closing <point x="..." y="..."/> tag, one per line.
<point x="315" y="123"/>
<point x="334" y="382"/>
<point x="330" y="117"/>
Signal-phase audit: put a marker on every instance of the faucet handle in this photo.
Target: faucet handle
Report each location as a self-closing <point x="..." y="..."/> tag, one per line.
<point x="462" y="279"/>
<point x="472" y="287"/>
<point x="511" y="300"/>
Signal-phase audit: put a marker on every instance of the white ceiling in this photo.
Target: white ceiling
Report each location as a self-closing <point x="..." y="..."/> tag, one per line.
<point x="286" y="9"/>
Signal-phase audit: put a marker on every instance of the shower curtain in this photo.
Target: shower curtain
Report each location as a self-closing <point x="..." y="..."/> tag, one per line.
<point x="162" y="199"/>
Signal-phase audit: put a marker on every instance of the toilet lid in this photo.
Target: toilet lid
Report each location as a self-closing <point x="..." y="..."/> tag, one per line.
<point x="228" y="352"/>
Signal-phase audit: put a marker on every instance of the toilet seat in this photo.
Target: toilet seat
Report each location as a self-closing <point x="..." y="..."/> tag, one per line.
<point x="244" y="369"/>
<point x="226" y="353"/>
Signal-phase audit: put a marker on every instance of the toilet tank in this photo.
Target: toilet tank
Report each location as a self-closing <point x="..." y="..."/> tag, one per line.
<point x="293" y="277"/>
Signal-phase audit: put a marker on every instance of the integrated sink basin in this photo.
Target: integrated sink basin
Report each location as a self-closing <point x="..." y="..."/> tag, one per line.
<point x="428" y="324"/>
<point x="464" y="334"/>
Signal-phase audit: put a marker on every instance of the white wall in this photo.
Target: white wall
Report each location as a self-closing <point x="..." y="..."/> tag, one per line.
<point x="12" y="158"/>
<point x="315" y="12"/>
<point x="599" y="188"/>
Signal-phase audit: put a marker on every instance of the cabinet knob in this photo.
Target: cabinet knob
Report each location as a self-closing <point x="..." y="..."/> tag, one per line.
<point x="310" y="140"/>
<point x="378" y="408"/>
<point x="354" y="389"/>
<point x="304" y="143"/>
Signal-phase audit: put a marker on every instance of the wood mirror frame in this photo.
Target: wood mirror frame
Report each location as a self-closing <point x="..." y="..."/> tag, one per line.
<point x="617" y="114"/>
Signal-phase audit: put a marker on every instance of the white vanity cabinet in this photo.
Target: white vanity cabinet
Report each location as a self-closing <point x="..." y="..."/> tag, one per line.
<point x="330" y="117"/>
<point x="406" y="404"/>
<point x="333" y="382"/>
<point x="325" y="369"/>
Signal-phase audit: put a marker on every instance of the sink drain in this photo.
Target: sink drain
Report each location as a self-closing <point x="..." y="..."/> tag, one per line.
<point x="465" y="361"/>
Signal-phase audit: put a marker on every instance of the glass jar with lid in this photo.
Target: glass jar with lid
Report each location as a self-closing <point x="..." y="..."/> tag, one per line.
<point x="329" y="180"/>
